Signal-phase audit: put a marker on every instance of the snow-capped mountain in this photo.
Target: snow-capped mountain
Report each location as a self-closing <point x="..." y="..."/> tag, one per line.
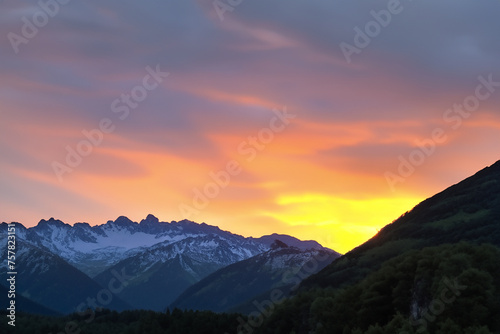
<point x="290" y="241"/>
<point x="236" y="286"/>
<point x="158" y="259"/>
<point x="160" y="273"/>
<point x="93" y="249"/>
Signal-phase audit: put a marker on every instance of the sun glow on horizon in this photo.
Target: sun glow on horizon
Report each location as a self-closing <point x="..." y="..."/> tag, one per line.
<point x="341" y="223"/>
<point x="314" y="135"/>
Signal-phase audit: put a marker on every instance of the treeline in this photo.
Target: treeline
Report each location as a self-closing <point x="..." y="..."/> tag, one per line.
<point x="445" y="289"/>
<point x="127" y="322"/>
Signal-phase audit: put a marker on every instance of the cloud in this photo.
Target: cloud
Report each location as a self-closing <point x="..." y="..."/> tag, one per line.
<point x="353" y="119"/>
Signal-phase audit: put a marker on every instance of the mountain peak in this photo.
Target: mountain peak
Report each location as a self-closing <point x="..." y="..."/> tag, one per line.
<point x="82" y="225"/>
<point x="122" y="221"/>
<point x="187" y="222"/>
<point x="52" y="222"/>
<point x="290" y="241"/>
<point x="150" y="219"/>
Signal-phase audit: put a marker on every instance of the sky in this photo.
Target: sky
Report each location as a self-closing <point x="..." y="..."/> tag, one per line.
<point x="324" y="120"/>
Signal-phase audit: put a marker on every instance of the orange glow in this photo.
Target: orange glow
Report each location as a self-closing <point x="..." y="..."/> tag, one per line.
<point x="340" y="202"/>
<point x="321" y="177"/>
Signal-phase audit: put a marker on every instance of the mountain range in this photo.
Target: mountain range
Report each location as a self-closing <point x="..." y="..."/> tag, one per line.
<point x="127" y="265"/>
<point x="234" y="287"/>
<point x="435" y="269"/>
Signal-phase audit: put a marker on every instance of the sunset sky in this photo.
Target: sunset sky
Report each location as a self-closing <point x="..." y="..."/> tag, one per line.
<point x="305" y="137"/>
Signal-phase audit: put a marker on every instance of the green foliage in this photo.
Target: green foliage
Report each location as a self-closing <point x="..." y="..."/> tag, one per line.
<point x="443" y="289"/>
<point x="127" y="322"/>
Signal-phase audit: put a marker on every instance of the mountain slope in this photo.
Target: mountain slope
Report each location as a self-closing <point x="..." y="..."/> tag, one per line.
<point x="451" y="288"/>
<point x="242" y="281"/>
<point x="94" y="249"/>
<point x="24" y="304"/>
<point x="433" y="270"/>
<point x="162" y="272"/>
<point x="50" y="281"/>
<point x="467" y="211"/>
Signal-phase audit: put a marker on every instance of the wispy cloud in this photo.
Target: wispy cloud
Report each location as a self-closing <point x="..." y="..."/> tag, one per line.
<point x="355" y="118"/>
